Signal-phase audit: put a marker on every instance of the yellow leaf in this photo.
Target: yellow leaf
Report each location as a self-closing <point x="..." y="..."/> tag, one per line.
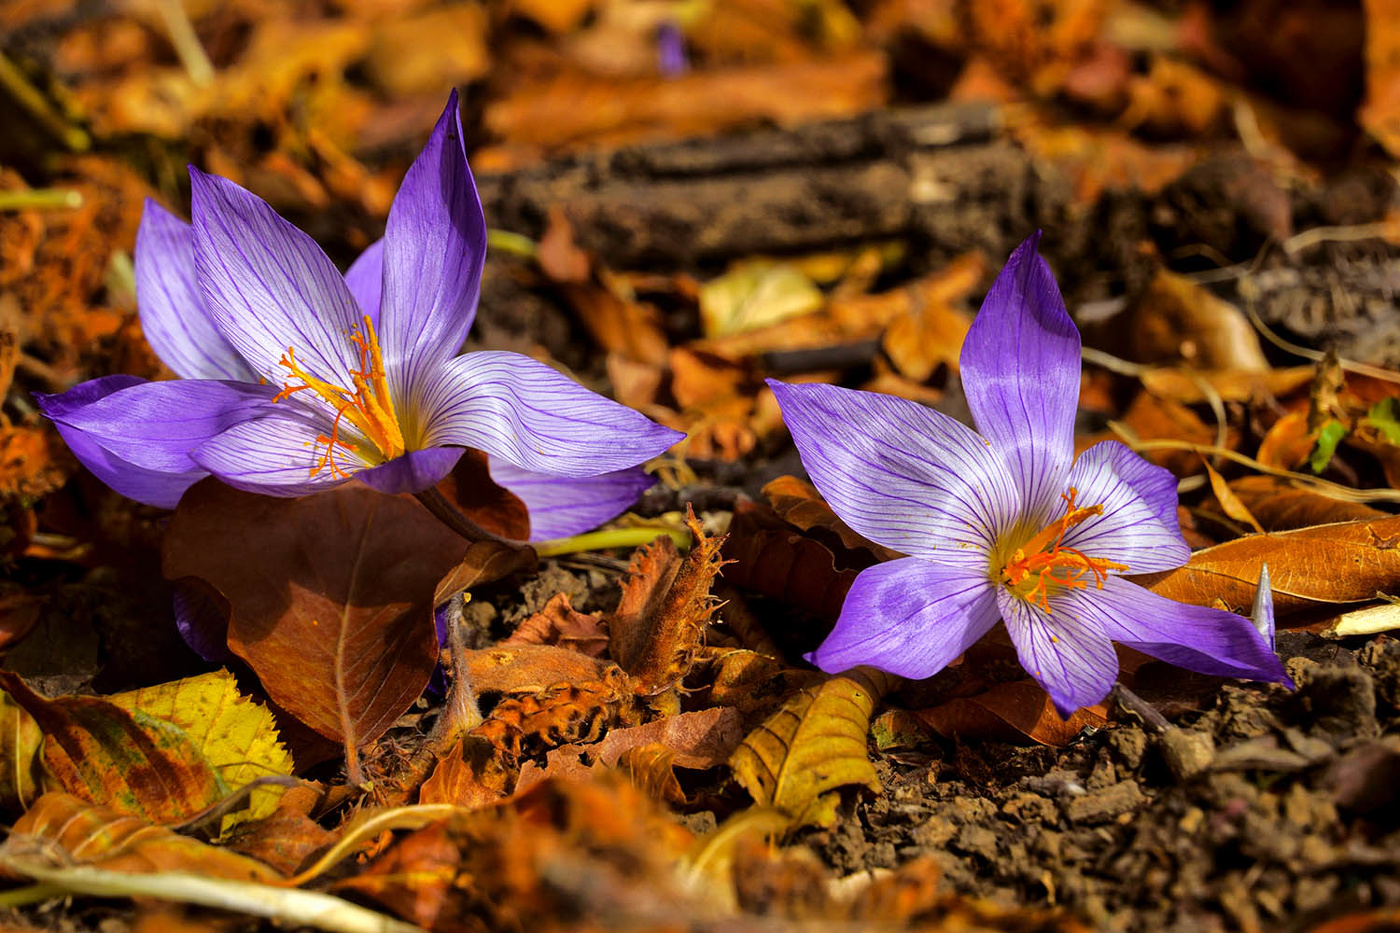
<point x="756" y="295"/>
<point x="236" y="733"/>
<point x="812" y="745"/>
<point x="22" y="777"/>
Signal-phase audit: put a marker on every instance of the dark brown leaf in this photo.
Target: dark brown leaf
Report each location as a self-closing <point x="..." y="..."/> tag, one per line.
<point x="331" y="596"/>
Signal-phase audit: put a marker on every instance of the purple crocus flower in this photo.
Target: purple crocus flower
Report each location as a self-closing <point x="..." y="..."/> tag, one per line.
<point x="296" y="378"/>
<point x="1007" y="524"/>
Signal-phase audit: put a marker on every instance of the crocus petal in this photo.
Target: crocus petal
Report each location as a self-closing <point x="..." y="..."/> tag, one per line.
<point x="365" y="279"/>
<point x="268" y="286"/>
<point x="1138" y="525"/>
<point x="532" y="416"/>
<point x="1069" y="656"/>
<point x="414" y="471"/>
<point x="561" y="506"/>
<point x="153" y="487"/>
<point x="1198" y="638"/>
<point x="275" y="456"/>
<point x="172" y="310"/>
<point x="1020" y="372"/>
<point x="903" y="475"/>
<point x="434" y="251"/>
<point x="201" y="615"/>
<point x="909" y="617"/>
<point x="154" y="425"/>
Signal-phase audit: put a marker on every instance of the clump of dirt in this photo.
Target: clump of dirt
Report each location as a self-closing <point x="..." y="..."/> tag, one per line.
<point x="1289" y="816"/>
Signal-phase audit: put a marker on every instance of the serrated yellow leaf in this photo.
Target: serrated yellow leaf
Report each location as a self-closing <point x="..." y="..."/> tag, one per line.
<point x="813" y="744"/>
<point x="236" y="733"/>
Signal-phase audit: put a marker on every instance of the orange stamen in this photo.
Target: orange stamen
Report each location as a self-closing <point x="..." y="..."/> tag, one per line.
<point x="1045" y="558"/>
<point x="367" y="407"/>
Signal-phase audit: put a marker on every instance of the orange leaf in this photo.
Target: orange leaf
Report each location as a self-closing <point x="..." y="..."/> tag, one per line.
<point x="559" y="623"/>
<point x="1281" y="506"/>
<point x="1342" y="563"/>
<point x="798" y="503"/>
<point x="1010" y="712"/>
<point x="106" y="838"/>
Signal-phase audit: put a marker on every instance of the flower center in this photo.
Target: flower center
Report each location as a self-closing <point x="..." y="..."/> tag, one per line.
<point x="1043" y="562"/>
<point x="367" y="406"/>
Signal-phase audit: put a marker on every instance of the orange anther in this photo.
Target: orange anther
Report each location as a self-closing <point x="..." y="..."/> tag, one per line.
<point x="1044" y="562"/>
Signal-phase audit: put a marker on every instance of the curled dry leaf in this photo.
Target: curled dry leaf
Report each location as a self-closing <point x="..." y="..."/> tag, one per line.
<point x="649" y="767"/>
<point x="103" y="837"/>
<point x="1010" y="712"/>
<point x="797" y="502"/>
<point x="470" y="775"/>
<point x="237" y="734"/>
<point x="665" y="606"/>
<point x="771" y="557"/>
<point x="1230" y="504"/>
<point x="1281" y="506"/>
<point x="813" y="744"/>
<point x="559" y="623"/>
<point x="1343" y="563"/>
<point x="331" y="596"/>
<point x="132" y="762"/>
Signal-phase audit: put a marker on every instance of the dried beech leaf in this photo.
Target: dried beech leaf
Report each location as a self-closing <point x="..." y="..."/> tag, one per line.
<point x="814" y="744"/>
<point x="470" y="775"/>
<point x="770" y="558"/>
<point x="698" y="739"/>
<point x="132" y="762"/>
<point x="559" y="623"/>
<point x="470" y="487"/>
<point x="103" y="837"/>
<point x="1343" y="563"/>
<point x="1229" y="502"/>
<point x="1281" y="506"/>
<point x="1010" y="712"/>
<point x="665" y="606"/>
<point x="529" y="668"/>
<point x="753" y="683"/>
<point x="331" y="596"/>
<point x="237" y="734"/>
<point x="797" y="502"/>
<point x="484" y="562"/>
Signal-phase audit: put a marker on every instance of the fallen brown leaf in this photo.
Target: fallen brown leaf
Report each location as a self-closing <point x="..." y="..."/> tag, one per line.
<point x="1281" y="506"/>
<point x="331" y="596"/>
<point x="1010" y="712"/>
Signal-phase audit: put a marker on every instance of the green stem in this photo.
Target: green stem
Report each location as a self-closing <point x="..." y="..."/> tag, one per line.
<point x="40" y="199"/>
<point x="28" y="97"/>
<point x="31" y="894"/>
<point x="610" y="538"/>
<point x="517" y="244"/>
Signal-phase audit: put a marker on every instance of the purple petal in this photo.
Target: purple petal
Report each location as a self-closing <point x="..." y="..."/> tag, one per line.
<point x="201" y="615"/>
<point x="276" y="455"/>
<point x="434" y="251"/>
<point x="365" y="279"/>
<point x="1138" y="526"/>
<point x="1069" y="656"/>
<point x="909" y="617"/>
<point x="1020" y="372"/>
<point x="414" y="471"/>
<point x="561" y="507"/>
<point x="532" y="416"/>
<point x="154" y="425"/>
<point x="1198" y="638"/>
<point x="268" y="286"/>
<point x="172" y="311"/>
<point x="153" y="487"/>
<point x="903" y="475"/>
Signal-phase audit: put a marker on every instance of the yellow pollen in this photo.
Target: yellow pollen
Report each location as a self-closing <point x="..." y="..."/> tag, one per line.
<point x="366" y="406"/>
<point x="1044" y="562"/>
